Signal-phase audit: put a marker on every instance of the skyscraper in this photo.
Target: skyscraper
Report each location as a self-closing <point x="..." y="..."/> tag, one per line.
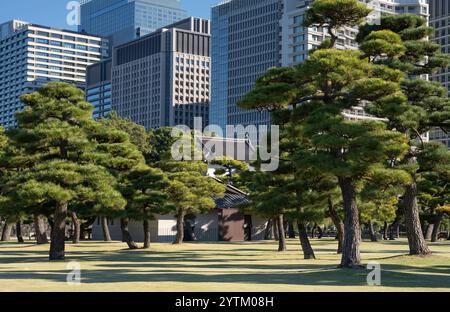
<point x="246" y="42"/>
<point x="250" y="36"/>
<point x="440" y="20"/>
<point x="31" y="55"/>
<point x="99" y="88"/>
<point x="162" y="79"/>
<point x="298" y="41"/>
<point x="125" y="20"/>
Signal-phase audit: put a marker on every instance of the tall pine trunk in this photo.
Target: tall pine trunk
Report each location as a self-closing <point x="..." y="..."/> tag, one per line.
<point x="281" y="234"/>
<point x="373" y="235"/>
<point x="291" y="230"/>
<point x="268" y="232"/>
<point x="313" y="231"/>
<point x="105" y="228"/>
<point x="416" y="239"/>
<point x="351" y="256"/>
<point x="76" y="228"/>
<point x="180" y="227"/>
<point x="126" y="235"/>
<point x="6" y="233"/>
<point x="436" y="227"/>
<point x="308" y="252"/>
<point x="19" y="232"/>
<point x="41" y="232"/>
<point x="429" y="232"/>
<point x="146" y="226"/>
<point x="58" y="236"/>
<point x="319" y="229"/>
<point x="275" y="229"/>
<point x="385" y="230"/>
<point x="338" y="224"/>
<point x="394" y="230"/>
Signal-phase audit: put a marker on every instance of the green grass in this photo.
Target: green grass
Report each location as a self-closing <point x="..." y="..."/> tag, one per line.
<point x="252" y="266"/>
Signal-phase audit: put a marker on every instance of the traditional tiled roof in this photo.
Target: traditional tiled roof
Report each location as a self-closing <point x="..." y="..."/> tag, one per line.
<point x="233" y="198"/>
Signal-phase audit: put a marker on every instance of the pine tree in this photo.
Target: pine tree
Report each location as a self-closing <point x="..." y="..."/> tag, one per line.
<point x="190" y="190"/>
<point x="144" y="187"/>
<point x="116" y="152"/>
<point x="426" y="105"/>
<point x="432" y="184"/>
<point x="320" y="90"/>
<point x="62" y="173"/>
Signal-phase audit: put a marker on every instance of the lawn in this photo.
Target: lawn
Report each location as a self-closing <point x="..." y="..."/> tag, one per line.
<point x="217" y="267"/>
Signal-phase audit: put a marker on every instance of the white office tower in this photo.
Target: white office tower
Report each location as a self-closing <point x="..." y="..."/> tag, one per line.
<point x="32" y="55"/>
<point x="250" y="36"/>
<point x="298" y="40"/>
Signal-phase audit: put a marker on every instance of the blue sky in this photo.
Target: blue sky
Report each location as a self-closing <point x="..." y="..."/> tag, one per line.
<point x="53" y="12"/>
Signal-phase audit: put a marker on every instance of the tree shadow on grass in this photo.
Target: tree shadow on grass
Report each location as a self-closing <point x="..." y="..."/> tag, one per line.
<point x="397" y="276"/>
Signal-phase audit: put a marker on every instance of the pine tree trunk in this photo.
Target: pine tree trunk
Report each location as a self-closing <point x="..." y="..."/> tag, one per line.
<point x="180" y="227"/>
<point x="275" y="229"/>
<point x="416" y="240"/>
<point x="291" y="230"/>
<point x="429" y="232"/>
<point x="393" y="231"/>
<point x="191" y="233"/>
<point x="105" y="228"/>
<point x="313" y="231"/>
<point x="268" y="232"/>
<point x="351" y="256"/>
<point x="373" y="235"/>
<point x="281" y="234"/>
<point x="6" y="233"/>
<point x="76" y="228"/>
<point x="146" y="225"/>
<point x="436" y="227"/>
<point x="126" y="236"/>
<point x="319" y="229"/>
<point x="308" y="252"/>
<point x="41" y="232"/>
<point x="338" y="224"/>
<point x="84" y="228"/>
<point x="385" y="231"/>
<point x="19" y="232"/>
<point x="58" y="236"/>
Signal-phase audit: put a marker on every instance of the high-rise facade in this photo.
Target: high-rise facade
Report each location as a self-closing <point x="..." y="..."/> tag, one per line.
<point x="31" y="55"/>
<point x="246" y="42"/>
<point x="125" y="20"/>
<point x="99" y="88"/>
<point x="440" y="20"/>
<point x="250" y="36"/>
<point x="163" y="78"/>
<point x="298" y="41"/>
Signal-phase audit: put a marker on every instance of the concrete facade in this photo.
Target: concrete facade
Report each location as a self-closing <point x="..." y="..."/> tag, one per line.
<point x="163" y="79"/>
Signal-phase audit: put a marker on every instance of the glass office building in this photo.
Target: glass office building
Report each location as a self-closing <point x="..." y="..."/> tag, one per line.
<point x="245" y="42"/>
<point x="440" y="20"/>
<point x="99" y="88"/>
<point x="125" y="20"/>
